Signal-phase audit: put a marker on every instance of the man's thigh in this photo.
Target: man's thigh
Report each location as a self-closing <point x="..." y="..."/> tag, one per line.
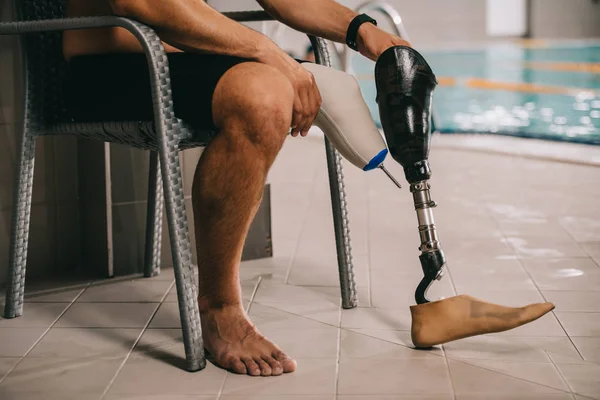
<point x="117" y="87"/>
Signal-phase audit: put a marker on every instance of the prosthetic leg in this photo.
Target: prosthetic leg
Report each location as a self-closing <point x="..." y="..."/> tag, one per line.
<point x="405" y="85"/>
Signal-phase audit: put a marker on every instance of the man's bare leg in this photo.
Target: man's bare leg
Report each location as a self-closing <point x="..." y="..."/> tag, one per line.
<point x="252" y="106"/>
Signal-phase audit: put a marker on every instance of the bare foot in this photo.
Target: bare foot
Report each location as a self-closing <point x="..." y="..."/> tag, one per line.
<point x="236" y="344"/>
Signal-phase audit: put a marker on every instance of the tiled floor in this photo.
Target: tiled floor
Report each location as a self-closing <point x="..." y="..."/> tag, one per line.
<point x="515" y="230"/>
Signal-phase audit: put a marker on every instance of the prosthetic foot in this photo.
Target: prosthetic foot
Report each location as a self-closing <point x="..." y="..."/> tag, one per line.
<point x="405" y="85"/>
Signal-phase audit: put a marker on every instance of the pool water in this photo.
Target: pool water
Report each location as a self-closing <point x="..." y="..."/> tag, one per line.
<point x="542" y="90"/>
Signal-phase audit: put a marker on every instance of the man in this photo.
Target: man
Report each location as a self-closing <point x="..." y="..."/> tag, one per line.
<point x="253" y="92"/>
<point x="231" y="78"/>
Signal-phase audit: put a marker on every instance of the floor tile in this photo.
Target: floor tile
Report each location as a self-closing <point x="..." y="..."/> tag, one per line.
<point x="541" y="228"/>
<point x="584" y="379"/>
<point x="510" y="348"/>
<point x="517" y="396"/>
<point x="592" y="248"/>
<point x="574" y="300"/>
<point x="35" y="315"/>
<point x="136" y="291"/>
<point x="461" y="252"/>
<point x="394" y="376"/>
<point x="396" y="397"/>
<point x="15" y="342"/>
<point x="85" y="343"/>
<point x="51" y="396"/>
<point x="492" y="279"/>
<point x="6" y="364"/>
<point x="159" y="397"/>
<point x="167" y="316"/>
<point x="580" y="324"/>
<point x="107" y="315"/>
<point x="56" y="296"/>
<point x="166" y="377"/>
<point x="402" y="295"/>
<point x="321" y="342"/>
<point x="312" y="376"/>
<point x="469" y="379"/>
<point x="61" y="375"/>
<point x="582" y="229"/>
<point x="545" y="247"/>
<point x="377" y="318"/>
<point x="589" y="347"/>
<point x="270" y="317"/>
<point x="160" y="343"/>
<point x="326" y="313"/>
<point x="308" y="270"/>
<point x="542" y="373"/>
<point x="277" y="397"/>
<point x="292" y="294"/>
<point x="402" y="338"/>
<point x="357" y="345"/>
<point x="564" y="274"/>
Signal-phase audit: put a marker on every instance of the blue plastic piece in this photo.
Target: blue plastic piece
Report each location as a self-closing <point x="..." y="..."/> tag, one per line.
<point x="376" y="161"/>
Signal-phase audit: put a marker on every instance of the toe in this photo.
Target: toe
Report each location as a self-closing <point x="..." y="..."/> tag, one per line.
<point x="265" y="369"/>
<point x="252" y="367"/>
<point x="234" y="364"/>
<point x="286" y="362"/>
<point x="276" y="368"/>
<point x="239" y="367"/>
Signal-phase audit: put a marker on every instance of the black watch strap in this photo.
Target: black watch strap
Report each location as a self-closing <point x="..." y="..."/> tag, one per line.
<point x="353" y="29"/>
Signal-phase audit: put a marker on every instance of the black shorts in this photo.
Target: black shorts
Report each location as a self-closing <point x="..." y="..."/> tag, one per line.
<point x="116" y="87"/>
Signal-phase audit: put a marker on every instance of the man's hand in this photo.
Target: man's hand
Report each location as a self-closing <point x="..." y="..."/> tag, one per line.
<point x="372" y="41"/>
<point x="307" y="99"/>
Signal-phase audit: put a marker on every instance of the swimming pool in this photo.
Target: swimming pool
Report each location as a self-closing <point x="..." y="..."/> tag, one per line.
<point x="529" y="89"/>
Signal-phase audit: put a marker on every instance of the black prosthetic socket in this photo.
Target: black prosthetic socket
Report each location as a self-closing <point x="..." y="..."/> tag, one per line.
<point x="405" y="85"/>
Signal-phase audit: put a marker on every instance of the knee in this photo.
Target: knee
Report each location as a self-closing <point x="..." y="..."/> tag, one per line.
<point x="255" y="102"/>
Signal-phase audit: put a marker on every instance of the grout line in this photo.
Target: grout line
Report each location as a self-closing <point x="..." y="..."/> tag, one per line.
<point x="447" y="364"/>
<point x="220" y="393"/>
<point x="144" y="329"/>
<point x="370" y="272"/>
<point x="44" y="334"/>
<point x="579" y="245"/>
<point x="253" y="295"/>
<point x="562" y="377"/>
<point x="464" y="361"/>
<point x="339" y="351"/>
<point x="541" y="294"/>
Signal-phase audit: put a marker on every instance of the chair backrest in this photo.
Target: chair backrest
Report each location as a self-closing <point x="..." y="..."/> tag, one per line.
<point x="44" y="62"/>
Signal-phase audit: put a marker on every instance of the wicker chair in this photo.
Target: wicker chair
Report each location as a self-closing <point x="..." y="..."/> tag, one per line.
<point x="39" y="25"/>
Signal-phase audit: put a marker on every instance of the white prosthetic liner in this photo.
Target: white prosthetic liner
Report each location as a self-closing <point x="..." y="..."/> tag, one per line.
<point x="346" y="120"/>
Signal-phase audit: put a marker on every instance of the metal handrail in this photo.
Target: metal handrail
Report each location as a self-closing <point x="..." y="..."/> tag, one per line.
<point x="386" y="9"/>
<point x="344" y="54"/>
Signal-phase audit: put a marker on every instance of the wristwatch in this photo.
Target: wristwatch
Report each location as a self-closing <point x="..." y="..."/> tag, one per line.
<point x="353" y="29"/>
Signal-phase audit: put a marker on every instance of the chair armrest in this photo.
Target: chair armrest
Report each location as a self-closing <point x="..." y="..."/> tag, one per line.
<point x="151" y="43"/>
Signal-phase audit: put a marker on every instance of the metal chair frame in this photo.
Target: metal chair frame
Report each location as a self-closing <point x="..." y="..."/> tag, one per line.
<point x="40" y="24"/>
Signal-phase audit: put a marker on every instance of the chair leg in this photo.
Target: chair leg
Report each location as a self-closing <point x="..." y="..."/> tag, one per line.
<point x="342" y="230"/>
<point x="154" y="215"/>
<point x="187" y="292"/>
<point x="19" y="237"/>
